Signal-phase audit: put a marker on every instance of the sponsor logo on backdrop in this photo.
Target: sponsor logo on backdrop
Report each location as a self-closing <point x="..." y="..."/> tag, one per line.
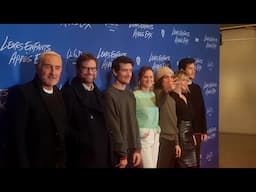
<point x="211" y="132"/>
<point x="177" y="62"/>
<point x="83" y="26"/>
<point x="3" y="97"/>
<point x="162" y="33"/>
<point x="24" y="51"/>
<point x="198" y="64"/>
<point x="209" y="111"/>
<point x="159" y="60"/>
<point x="209" y="156"/>
<point x="210" y="88"/>
<point x="138" y="60"/>
<point x="210" y="42"/>
<point x="112" y="27"/>
<point x="143" y="31"/>
<point x="180" y="36"/>
<point x="72" y="55"/>
<point x="197" y="39"/>
<point x="108" y="56"/>
<point x="210" y="65"/>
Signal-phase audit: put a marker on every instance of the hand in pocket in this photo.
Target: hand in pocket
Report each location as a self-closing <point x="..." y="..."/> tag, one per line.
<point x="145" y="135"/>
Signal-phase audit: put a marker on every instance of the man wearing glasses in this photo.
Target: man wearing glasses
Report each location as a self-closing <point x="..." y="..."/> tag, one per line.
<point x="88" y="138"/>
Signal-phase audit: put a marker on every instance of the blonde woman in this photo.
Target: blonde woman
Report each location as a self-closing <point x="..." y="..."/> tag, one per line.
<point x="185" y="119"/>
<point x="147" y="114"/>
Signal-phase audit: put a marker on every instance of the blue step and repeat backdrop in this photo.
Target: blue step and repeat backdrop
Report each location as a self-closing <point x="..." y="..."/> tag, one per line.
<point x="153" y="45"/>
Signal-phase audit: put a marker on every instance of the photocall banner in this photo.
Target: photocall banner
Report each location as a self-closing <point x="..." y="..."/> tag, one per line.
<point x="152" y="45"/>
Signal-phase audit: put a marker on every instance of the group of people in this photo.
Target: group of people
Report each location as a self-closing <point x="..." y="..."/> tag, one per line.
<point x="160" y="122"/>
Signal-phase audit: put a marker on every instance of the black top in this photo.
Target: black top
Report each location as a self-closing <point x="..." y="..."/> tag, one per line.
<point x="88" y="139"/>
<point x="92" y="99"/>
<point x="183" y="110"/>
<point x="36" y="127"/>
<point x="197" y="101"/>
<point x="54" y="108"/>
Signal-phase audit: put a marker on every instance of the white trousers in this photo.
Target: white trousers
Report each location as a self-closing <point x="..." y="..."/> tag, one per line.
<point x="150" y="148"/>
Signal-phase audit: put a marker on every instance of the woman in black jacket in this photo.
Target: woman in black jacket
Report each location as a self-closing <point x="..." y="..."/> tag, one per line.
<point x="185" y="119"/>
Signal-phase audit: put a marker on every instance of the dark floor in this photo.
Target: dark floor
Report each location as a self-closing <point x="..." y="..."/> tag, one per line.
<point x="237" y="150"/>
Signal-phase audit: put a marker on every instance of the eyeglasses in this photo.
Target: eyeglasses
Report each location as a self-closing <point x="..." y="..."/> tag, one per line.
<point x="93" y="69"/>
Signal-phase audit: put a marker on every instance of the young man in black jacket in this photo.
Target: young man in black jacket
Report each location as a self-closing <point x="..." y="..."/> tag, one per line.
<point x="196" y="98"/>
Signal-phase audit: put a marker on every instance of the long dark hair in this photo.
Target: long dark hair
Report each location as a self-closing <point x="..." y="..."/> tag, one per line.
<point x="142" y="71"/>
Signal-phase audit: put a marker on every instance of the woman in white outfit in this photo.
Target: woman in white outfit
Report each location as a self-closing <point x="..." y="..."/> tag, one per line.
<point x="147" y="114"/>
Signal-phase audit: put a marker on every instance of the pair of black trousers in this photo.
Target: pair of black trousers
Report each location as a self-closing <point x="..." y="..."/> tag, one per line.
<point x="188" y="148"/>
<point x="198" y="148"/>
<point x="167" y="153"/>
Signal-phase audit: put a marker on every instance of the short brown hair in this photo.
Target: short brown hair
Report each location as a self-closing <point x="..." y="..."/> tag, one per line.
<point x="121" y="59"/>
<point x="85" y="57"/>
<point x="183" y="63"/>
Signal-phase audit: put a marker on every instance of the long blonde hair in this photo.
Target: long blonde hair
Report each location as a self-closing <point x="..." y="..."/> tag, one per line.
<point x="179" y="76"/>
